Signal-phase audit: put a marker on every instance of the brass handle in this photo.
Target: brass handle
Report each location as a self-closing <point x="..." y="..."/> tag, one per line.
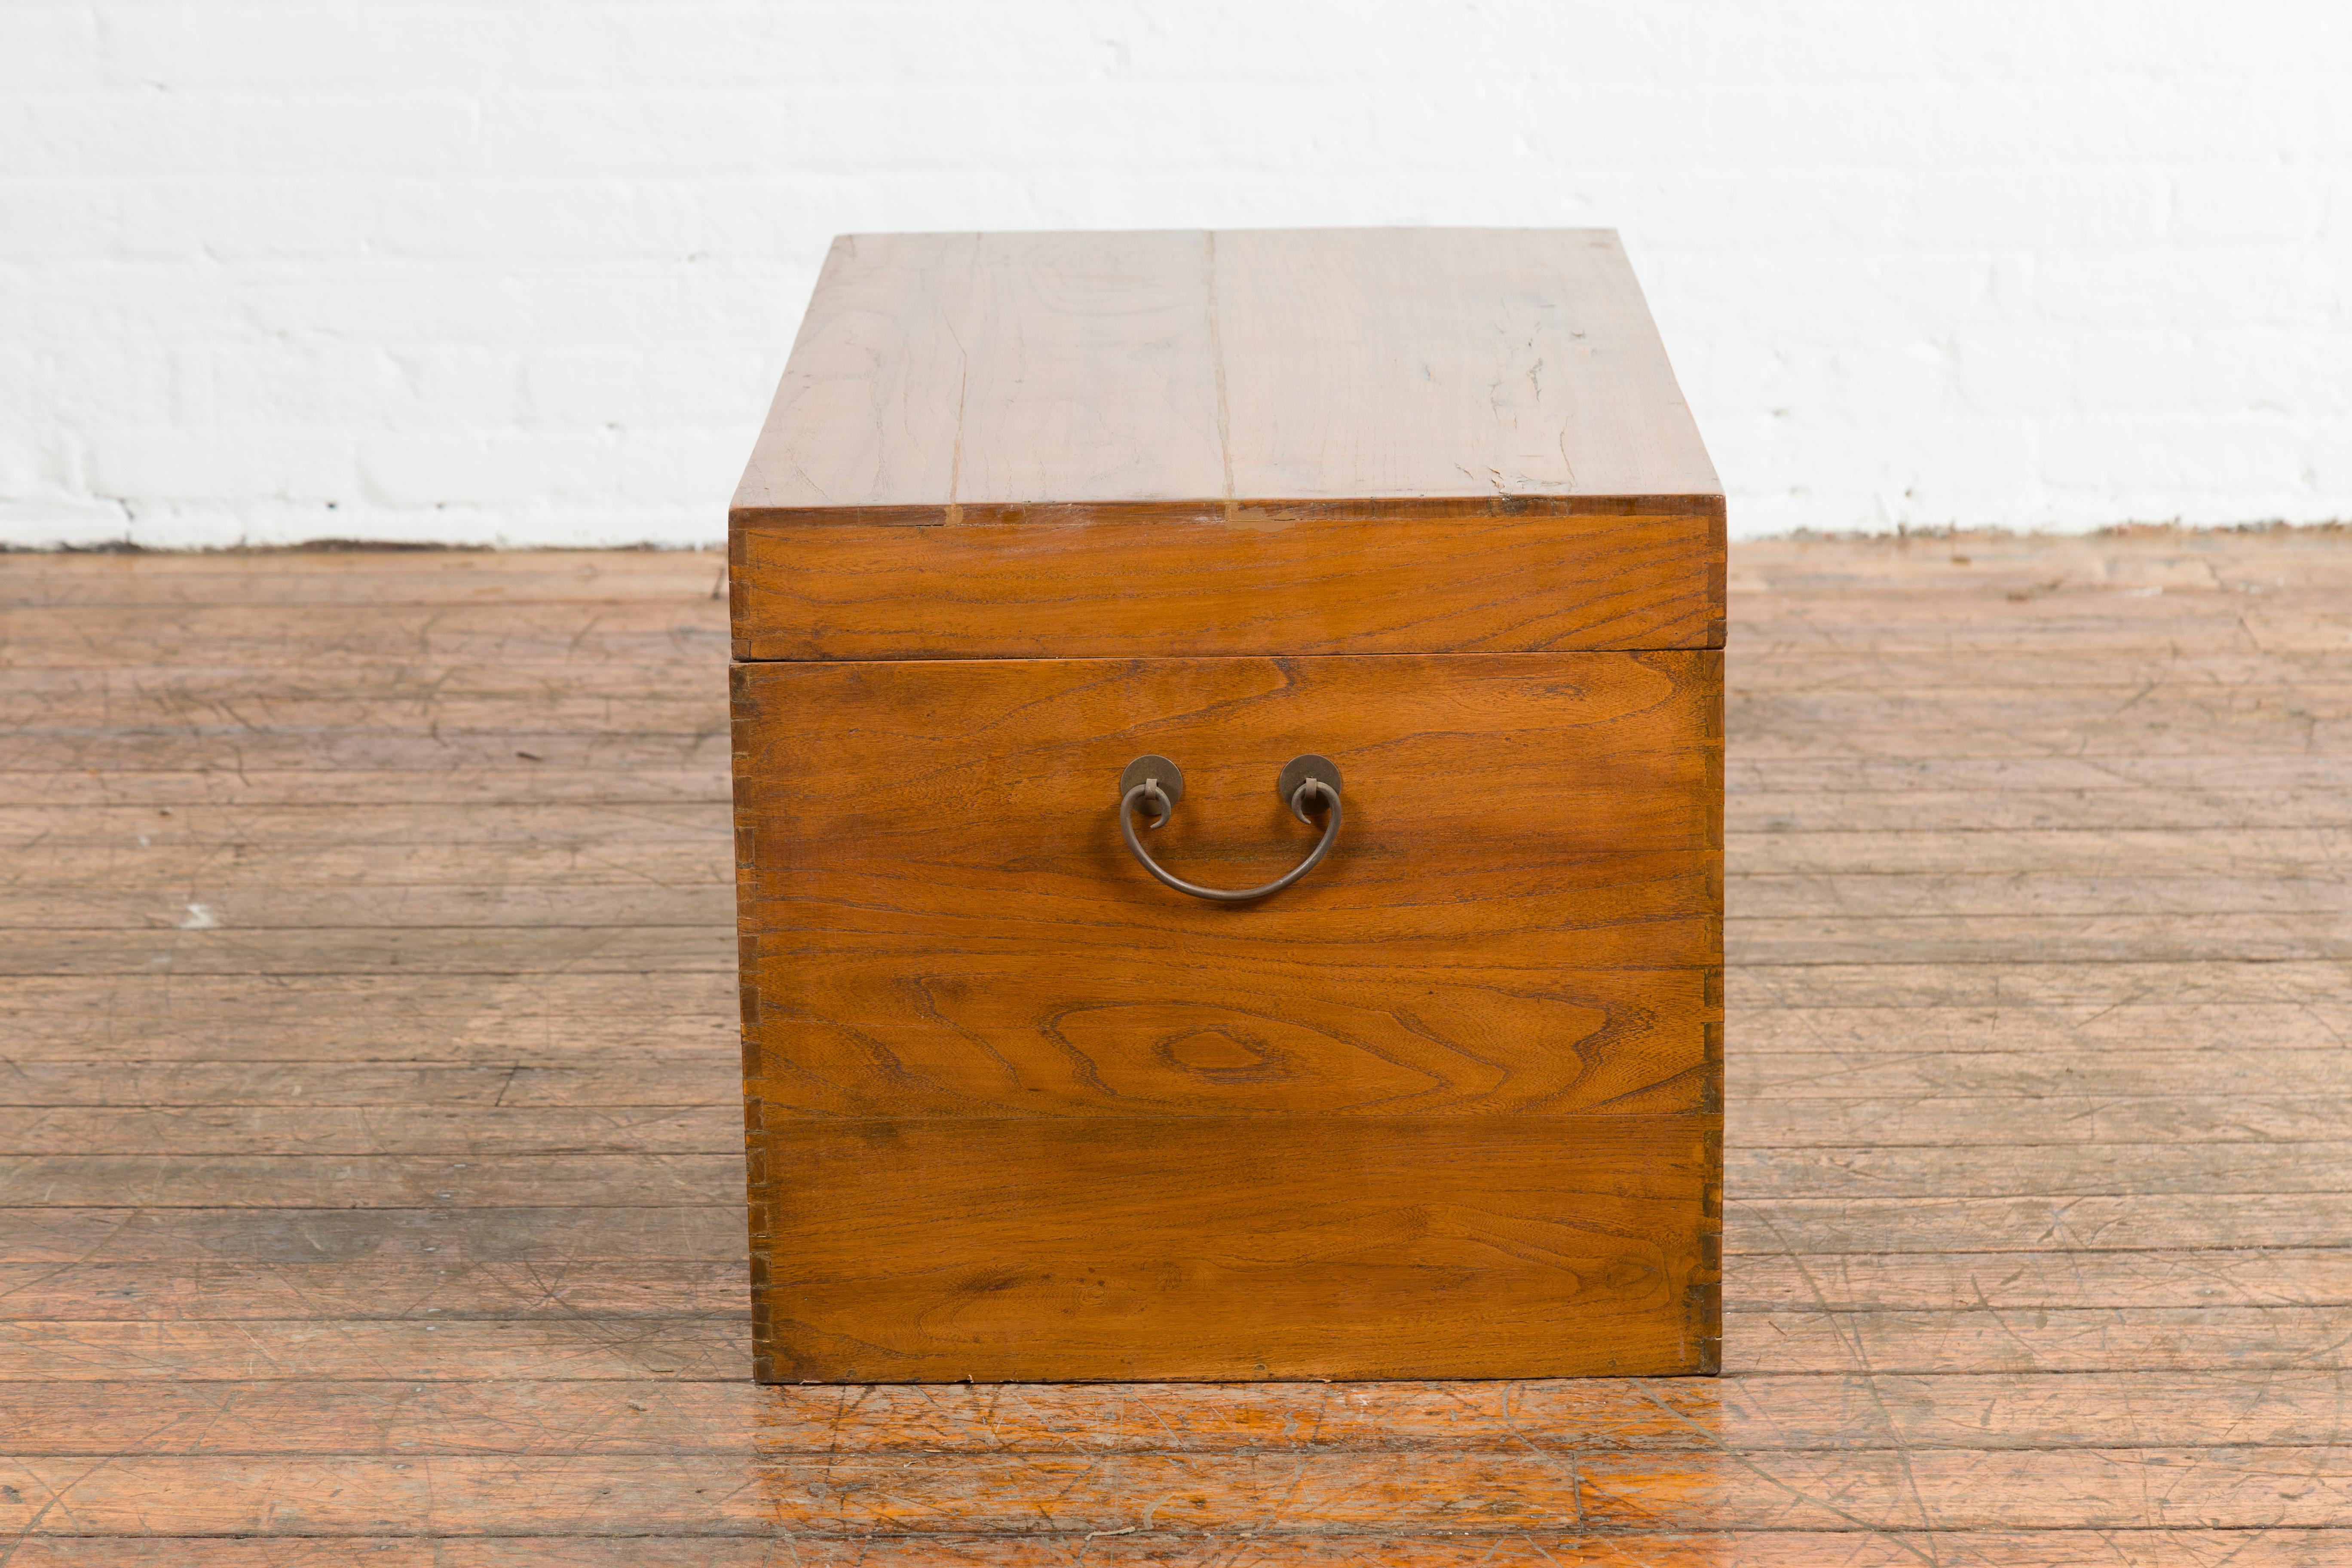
<point x="1160" y="783"/>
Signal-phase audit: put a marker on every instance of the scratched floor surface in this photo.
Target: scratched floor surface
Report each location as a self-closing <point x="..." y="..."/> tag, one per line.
<point x="369" y="1150"/>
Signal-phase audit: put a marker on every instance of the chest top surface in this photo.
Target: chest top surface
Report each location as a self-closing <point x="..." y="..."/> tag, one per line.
<point x="972" y="378"/>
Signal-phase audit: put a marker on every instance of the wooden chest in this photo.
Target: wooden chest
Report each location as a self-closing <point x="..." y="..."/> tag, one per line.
<point x="1400" y="543"/>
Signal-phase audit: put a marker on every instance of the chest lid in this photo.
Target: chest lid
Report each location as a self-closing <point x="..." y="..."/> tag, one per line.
<point x="1238" y="442"/>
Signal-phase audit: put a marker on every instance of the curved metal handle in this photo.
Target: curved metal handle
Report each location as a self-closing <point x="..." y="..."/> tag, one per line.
<point x="1160" y="783"/>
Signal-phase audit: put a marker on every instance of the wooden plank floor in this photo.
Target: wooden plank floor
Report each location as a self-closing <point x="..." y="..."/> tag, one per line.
<point x="369" y="1148"/>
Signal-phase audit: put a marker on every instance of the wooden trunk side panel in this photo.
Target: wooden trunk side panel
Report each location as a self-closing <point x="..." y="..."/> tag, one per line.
<point x="907" y="1035"/>
<point x="1516" y="579"/>
<point x="1223" y="1249"/>
<point x="1449" y="1107"/>
<point x="1523" y="913"/>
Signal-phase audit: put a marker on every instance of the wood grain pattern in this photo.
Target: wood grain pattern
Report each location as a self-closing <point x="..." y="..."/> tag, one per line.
<point x="2006" y="1067"/>
<point x="1506" y="578"/>
<point x="712" y="1129"/>
<point x="2064" y="1342"/>
<point x="373" y="1287"/>
<point x="241" y="1291"/>
<point x="2034" y="1223"/>
<point x="205" y="1350"/>
<point x="684" y="630"/>
<point x="2174" y="1029"/>
<point x="554" y="1418"/>
<point x="1563" y="802"/>
<point x="1445" y="361"/>
<point x="175" y="1237"/>
<point x="314" y="949"/>
<point x="287" y="1361"/>
<point x="622" y="1069"/>
<point x="369" y="579"/>
<point x="2251" y="1276"/>
<point x="591" y="900"/>
<point x="2058" y="1170"/>
<point x="2015" y="810"/>
<point x="1308" y="1495"/>
<point x="257" y="830"/>
<point x="355" y="1181"/>
<point x="939" y="369"/>
<point x="1255" y="443"/>
<point x="955" y="1250"/>
<point x="1188" y="375"/>
<point x="934" y="966"/>
<point x="1851" y="1547"/>
<point x="2057" y="1120"/>
<point x="235" y="864"/>
<point x="46" y="750"/>
<point x="1242" y="463"/>
<point x="2023" y="979"/>
<point x="517" y="783"/>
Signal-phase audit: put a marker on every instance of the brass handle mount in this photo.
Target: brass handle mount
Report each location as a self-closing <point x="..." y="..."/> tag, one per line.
<point x="1155" y="784"/>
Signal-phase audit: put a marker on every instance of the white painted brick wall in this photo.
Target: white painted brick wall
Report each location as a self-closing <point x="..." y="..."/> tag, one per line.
<point x="526" y="270"/>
